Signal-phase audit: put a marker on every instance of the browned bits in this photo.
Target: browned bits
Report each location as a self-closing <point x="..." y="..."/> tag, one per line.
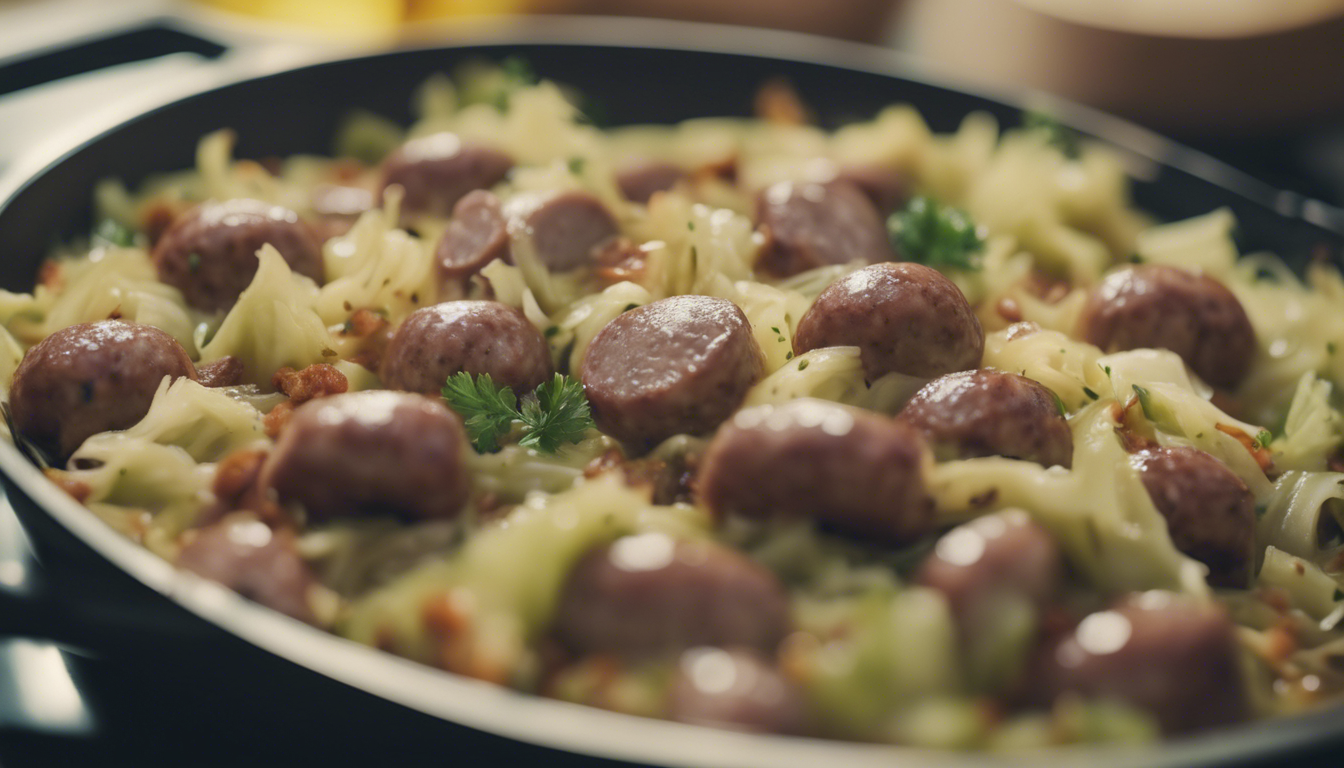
<point x="651" y="595"/>
<point x="477" y="235"/>
<point x="808" y="225"/>
<point x="991" y="413"/>
<point x="620" y="259"/>
<point x="639" y="181"/>
<point x="1161" y="307"/>
<point x="1210" y="512"/>
<point x="904" y="318"/>
<point x="1168" y="655"/>
<point x="1002" y="556"/>
<point x="374" y="333"/>
<point x="679" y="365"/>
<point x="227" y="371"/>
<point x="260" y="563"/>
<point x="369" y="453"/>
<point x="851" y="470"/>
<point x="478" y="337"/>
<point x="314" y="381"/>
<point x="75" y="489"/>
<point x="438" y="170"/>
<point x="91" y="378"/>
<point x="237" y="487"/>
<point x="736" y="689"/>
<point x="210" y="252"/>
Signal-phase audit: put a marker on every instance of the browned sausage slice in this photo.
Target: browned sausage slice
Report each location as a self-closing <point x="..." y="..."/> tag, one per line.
<point x="210" y="252"/>
<point x="438" y="170"/>
<point x="473" y="336"/>
<point x="735" y="689"/>
<point x="1168" y="655"/>
<point x="651" y="595"/>
<point x="566" y="227"/>
<point x="259" y="563"/>
<point x="809" y="225"/>
<point x="852" y="470"/>
<point x="91" y="378"/>
<point x="991" y="413"/>
<point x="904" y="318"/>
<point x="1210" y="512"/>
<point x="638" y="182"/>
<point x="679" y="365"/>
<point x="374" y="452"/>
<point x="1160" y="307"/>
<point x="999" y="556"/>
<point x="477" y="235"/>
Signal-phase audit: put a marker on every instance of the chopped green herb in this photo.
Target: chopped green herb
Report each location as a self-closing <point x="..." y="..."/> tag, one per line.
<point x="788" y="355"/>
<point x="1263" y="275"/>
<point x="1145" y="402"/>
<point x="111" y="232"/>
<point x="1260" y="510"/>
<point x="802" y="365"/>
<point x="1135" y="258"/>
<point x="1330" y="347"/>
<point x="556" y="413"/>
<point x="1264" y="438"/>
<point x="193" y="261"/>
<point x="1059" y="404"/>
<point x="629" y="307"/>
<point x="1107" y="370"/>
<point x="551" y="331"/>
<point x="576" y="165"/>
<point x="935" y="235"/>
<point x="775" y="328"/>
<point x="690" y="225"/>
<point x="1090" y="394"/>
<point x="1339" y="595"/>
<point x="1056" y="134"/>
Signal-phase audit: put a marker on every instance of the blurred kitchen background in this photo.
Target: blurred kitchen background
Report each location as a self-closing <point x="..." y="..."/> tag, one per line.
<point x="1256" y="83"/>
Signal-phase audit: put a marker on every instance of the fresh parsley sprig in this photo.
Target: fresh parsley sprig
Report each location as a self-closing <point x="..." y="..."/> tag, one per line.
<point x="936" y="235"/>
<point x="556" y="413"/>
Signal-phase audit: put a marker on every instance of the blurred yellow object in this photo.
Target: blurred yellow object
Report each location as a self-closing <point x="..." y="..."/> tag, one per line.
<point x="332" y="15"/>
<point x="423" y="10"/>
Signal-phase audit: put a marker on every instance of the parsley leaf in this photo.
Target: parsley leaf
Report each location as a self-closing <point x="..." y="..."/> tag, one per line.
<point x="1056" y="134"/>
<point x="1264" y="438"/>
<point x="1059" y="404"/>
<point x="935" y="235"/>
<point x="556" y="413"/>
<point x="112" y="232"/>
<point x="486" y="410"/>
<point x="1145" y="402"/>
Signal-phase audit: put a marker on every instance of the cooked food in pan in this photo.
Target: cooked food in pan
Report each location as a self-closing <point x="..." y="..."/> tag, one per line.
<point x="872" y="434"/>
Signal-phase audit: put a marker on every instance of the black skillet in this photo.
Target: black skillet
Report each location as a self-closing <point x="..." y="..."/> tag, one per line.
<point x="206" y="648"/>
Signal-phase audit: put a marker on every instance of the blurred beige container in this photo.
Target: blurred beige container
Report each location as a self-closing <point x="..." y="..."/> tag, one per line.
<point x="1212" y="67"/>
<point x="866" y="20"/>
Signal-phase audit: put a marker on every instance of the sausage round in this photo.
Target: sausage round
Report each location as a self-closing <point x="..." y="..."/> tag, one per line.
<point x="477" y="235"/>
<point x="736" y="689"/>
<point x="210" y="251"/>
<point x="904" y="318"/>
<point x="479" y="337"/>
<point x="991" y="413"/>
<point x="259" y="563"/>
<point x="566" y="227"/>
<point x="980" y="563"/>
<point x="1161" y="307"/>
<point x="852" y="470"/>
<point x="437" y="170"/>
<point x="1210" y="512"/>
<point x="374" y="452"/>
<point x="638" y="182"/>
<point x="651" y="595"/>
<point x="810" y="225"/>
<point x="679" y="365"/>
<point x="1171" y="656"/>
<point x="91" y="378"/>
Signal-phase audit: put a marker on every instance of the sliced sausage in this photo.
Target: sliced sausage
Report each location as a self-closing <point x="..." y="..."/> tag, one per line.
<point x="679" y="365"/>
<point x="477" y="235"/>
<point x="638" y="182"/>
<point x="438" y="170"/>
<point x="370" y="453"/>
<point x="91" y="378"/>
<point x="886" y="187"/>
<point x="566" y="227"/>
<point x="1210" y="512"/>
<point x="904" y="318"/>
<point x="478" y="337"/>
<point x="259" y="563"/>
<point x="735" y="689"/>
<point x="1160" y="307"/>
<point x="210" y="252"/>
<point x="810" y="225"/>
<point x="651" y="595"/>
<point x="991" y="413"/>
<point x="1171" y="656"/>
<point x="852" y="470"/>
<point x="979" y="564"/>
